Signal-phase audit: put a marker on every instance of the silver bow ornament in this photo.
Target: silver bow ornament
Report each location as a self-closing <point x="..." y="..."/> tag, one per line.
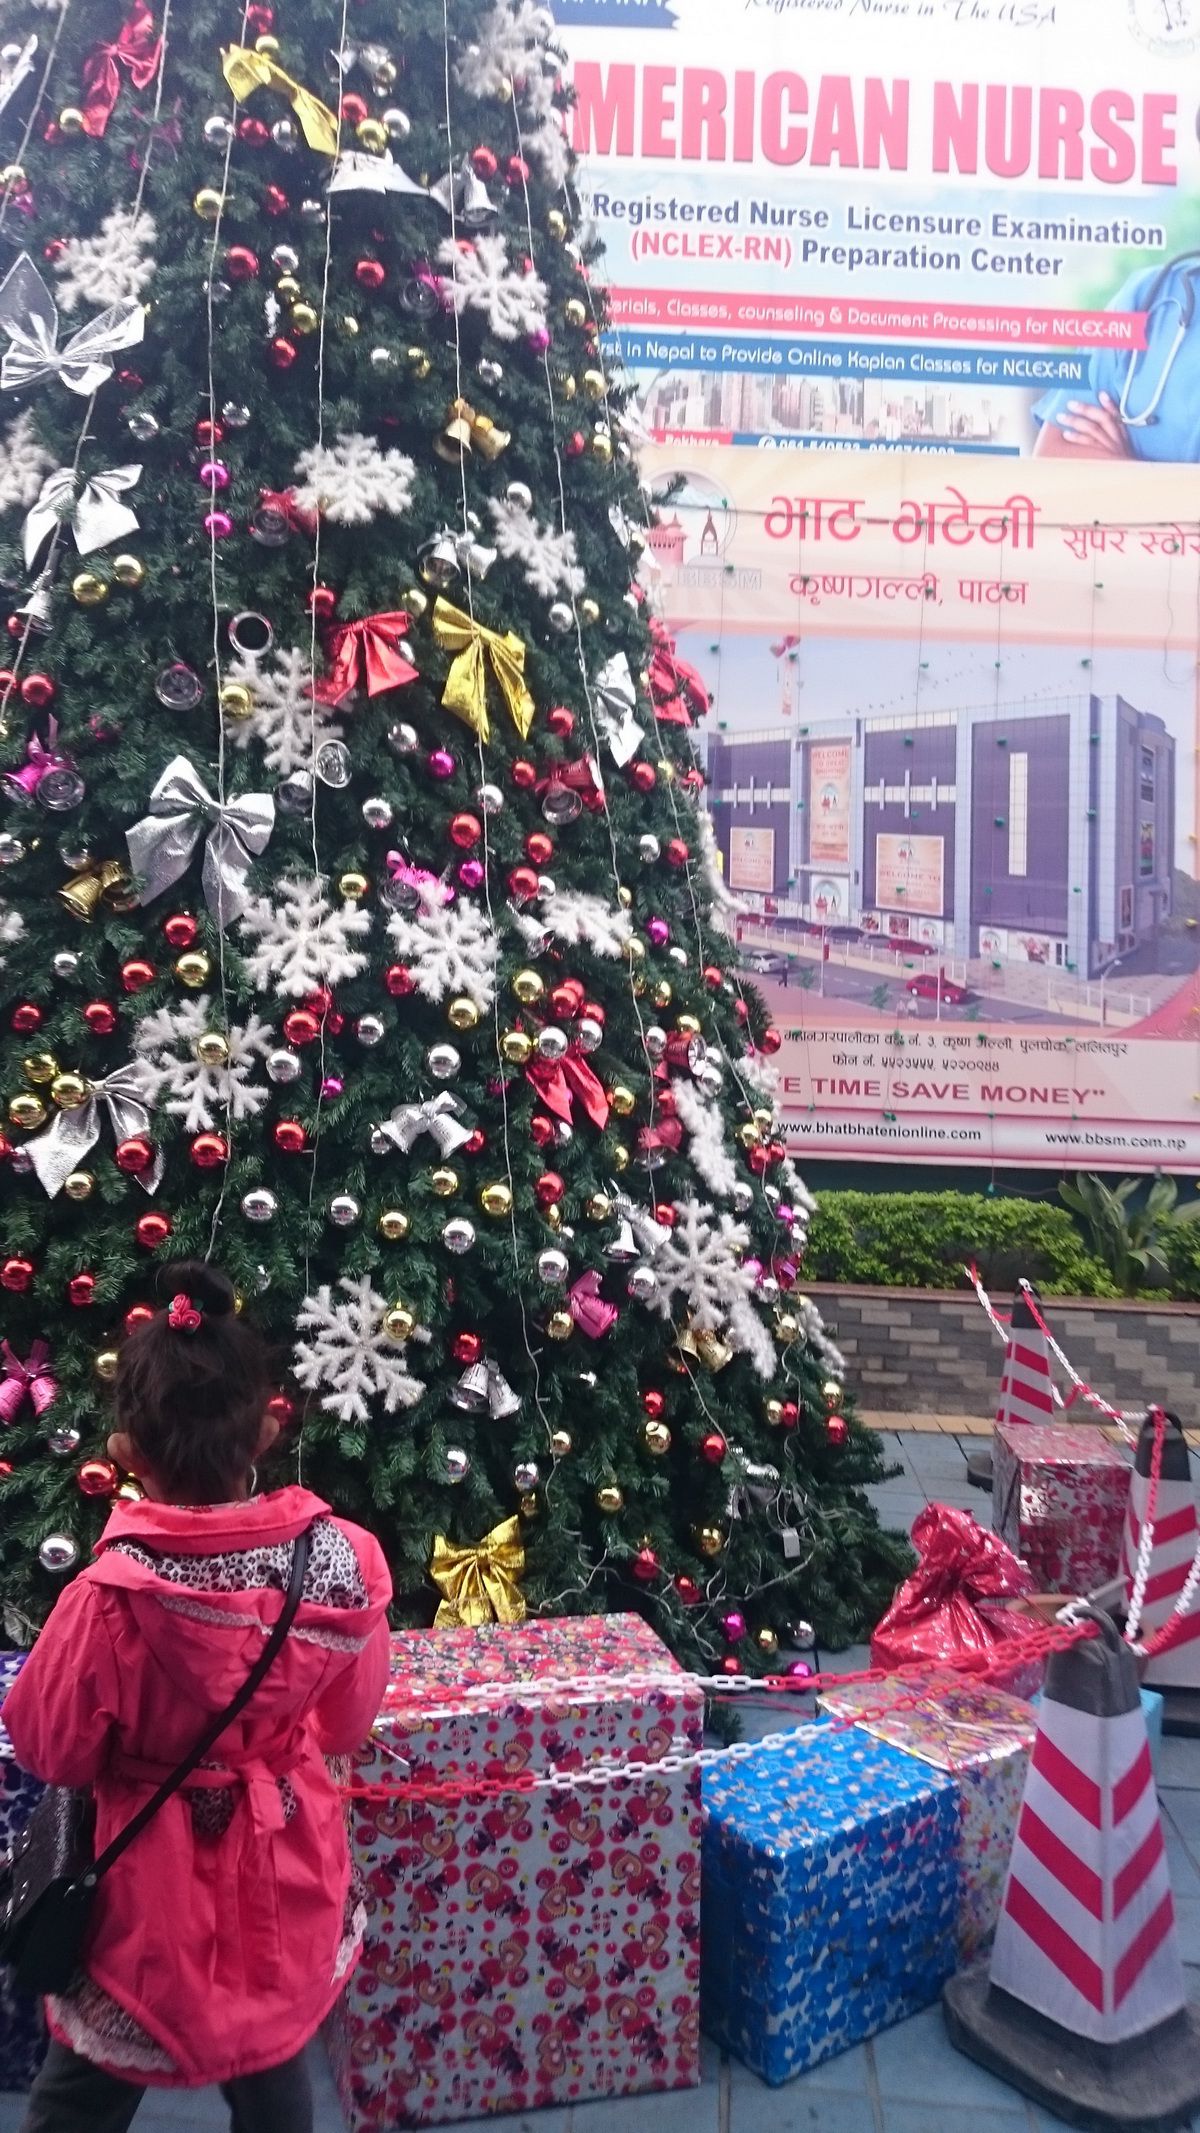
<point x="126" y="1096"/>
<point x="440" y="1118"/>
<point x="161" y="845"/>
<point x="15" y="69"/>
<point x="357" y="172"/>
<point x="29" y="316"/>
<point x="94" y="512"/>
<point x="615" y="698"/>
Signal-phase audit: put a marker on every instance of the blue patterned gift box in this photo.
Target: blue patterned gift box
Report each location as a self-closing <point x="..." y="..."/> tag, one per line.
<point x="830" y="1896"/>
<point x="22" y="2032"/>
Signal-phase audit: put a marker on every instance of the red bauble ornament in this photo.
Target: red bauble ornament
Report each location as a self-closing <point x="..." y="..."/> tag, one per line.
<point x="399" y="981"/>
<point x="180" y="930"/>
<point x="97" y="1477"/>
<point x="208" y="434"/>
<point x="27" y="1015"/>
<point x="152" y="1230"/>
<point x="465" y="830"/>
<point x="548" y="1188"/>
<point x="466" y="1348"/>
<point x="241" y="264"/>
<point x="370" y="273"/>
<point x="6" y="1469"/>
<point x="17" y="1275"/>
<point x="136" y="974"/>
<point x="645" y="1566"/>
<point x="322" y="602"/>
<point x="666" y="1215"/>
<point x="80" y="1289"/>
<point x="335" y="1022"/>
<point x="775" y="1151"/>
<point x="713" y="977"/>
<point x="37" y="690"/>
<point x="758" y="1160"/>
<point x="770" y="1040"/>
<point x="591" y="1011"/>
<point x="209" y="1150"/>
<point x="130" y="381"/>
<point x="275" y="200"/>
<point x="560" y="720"/>
<point x="789" y="1415"/>
<point x="643" y="777"/>
<point x="713" y="1447"/>
<point x="260" y="18"/>
<point x="730" y="1665"/>
<point x="281" y="1409"/>
<point x="135" y="1155"/>
<point x="516" y="171"/>
<point x="301" y="1026"/>
<point x="282" y="352"/>
<point x="483" y="162"/>
<point x="100" y="1018"/>
<point x="837" y="1429"/>
<point x="576" y="445"/>
<point x="654" y="1404"/>
<point x="686" y="1589"/>
<point x="566" y="1000"/>
<point x="137" y="1315"/>
<point x="522" y="883"/>
<point x="541" y="1130"/>
<point x="524" y="774"/>
<point x="289" y="1136"/>
<point x="354" y="109"/>
<point x="539" y="848"/>
<point x="253" y="132"/>
<point x="676" y="853"/>
<point x="319" y="1002"/>
<point x="476" y="1144"/>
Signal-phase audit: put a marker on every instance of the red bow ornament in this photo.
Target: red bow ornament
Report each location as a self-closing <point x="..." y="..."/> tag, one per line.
<point x="678" y="689"/>
<point x="30" y="1380"/>
<point x="138" y="48"/>
<point x="559" y="1081"/>
<point x="370" y="654"/>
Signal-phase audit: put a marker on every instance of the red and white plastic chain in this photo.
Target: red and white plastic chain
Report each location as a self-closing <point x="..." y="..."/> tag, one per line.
<point x="1039" y="1643"/>
<point x="1128" y="1420"/>
<point x="1137" y="1597"/>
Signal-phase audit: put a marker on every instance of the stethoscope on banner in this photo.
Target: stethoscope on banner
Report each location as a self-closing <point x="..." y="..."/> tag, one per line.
<point x="1185" y="305"/>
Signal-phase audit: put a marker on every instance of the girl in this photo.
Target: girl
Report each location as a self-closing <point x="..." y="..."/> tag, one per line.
<point x="223" y="1935"/>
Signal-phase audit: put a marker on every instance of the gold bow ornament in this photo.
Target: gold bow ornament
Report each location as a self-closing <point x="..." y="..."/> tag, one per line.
<point x="245" y="71"/>
<point x="480" y="1584"/>
<point x="475" y="649"/>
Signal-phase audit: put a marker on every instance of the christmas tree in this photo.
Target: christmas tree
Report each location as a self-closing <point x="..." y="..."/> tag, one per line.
<point x="361" y="924"/>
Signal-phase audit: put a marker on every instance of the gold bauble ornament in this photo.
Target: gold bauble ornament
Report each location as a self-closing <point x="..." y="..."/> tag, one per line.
<point x="288" y="289"/>
<point x="14" y="178"/>
<point x="444" y="1181"/>
<point x="414" y="600"/>
<point x="348" y="326"/>
<point x="208" y="203"/>
<point x="666" y="770"/>
<point x="516" y="1047"/>
<point x="787" y="1328"/>
<point x="305" y="318"/>
<point x="496" y="1200"/>
<point x="80" y="1185"/>
<point x="773" y="1410"/>
<point x="194" y="969"/>
<point x="620" y="1157"/>
<point x="393" y="1225"/>
<point x="748" y="1134"/>
<point x="371" y="134"/>
<point x="552" y="1217"/>
<point x="575" y="311"/>
<point x="235" y="699"/>
<point x="69" y="1091"/>
<point x="764" y="1120"/>
<point x="709" y="1540"/>
<point x="529" y="1505"/>
<point x="556" y="223"/>
<point x="767" y="1641"/>
<point x="27" y="1111"/>
<point x="71" y="121"/>
<point x="87" y="590"/>
<point x="657" y="1438"/>
<point x="662" y="994"/>
<point x="687" y="1025"/>
<point x="594" y="384"/>
<point x="610" y="1499"/>
<point x="601" y="447"/>
<point x="463" y="1014"/>
<point x="625" y="899"/>
<point x="353" y="885"/>
<point x="560" y="1325"/>
<point x="129" y="1492"/>
<point x="560" y="1443"/>
<point x="528" y="987"/>
<point x="622" y="1100"/>
<point x="637" y="986"/>
<point x="589" y="611"/>
<point x="105" y="1365"/>
<point x="567" y="387"/>
<point x="599" y="1207"/>
<point x="399" y="1322"/>
<point x="831" y="1393"/>
<point x="39" y="1067"/>
<point x="212" y="1049"/>
<point x="129" y="571"/>
<point x="268" y="45"/>
<point x="419" y="362"/>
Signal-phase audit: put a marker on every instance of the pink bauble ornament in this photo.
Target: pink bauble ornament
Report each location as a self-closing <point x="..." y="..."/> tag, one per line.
<point x="218" y="525"/>
<point x="733" y="1625"/>
<point x="658" y="933"/>
<point x="440" y="763"/>
<point x="214" y="474"/>
<point x="470" y="874"/>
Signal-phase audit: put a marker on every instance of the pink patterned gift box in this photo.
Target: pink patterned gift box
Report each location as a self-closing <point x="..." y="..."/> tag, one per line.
<point x="530" y="1948"/>
<point x="980" y="1737"/>
<point x="1059" y="1496"/>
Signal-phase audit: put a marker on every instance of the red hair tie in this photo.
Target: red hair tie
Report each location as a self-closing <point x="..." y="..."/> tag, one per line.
<point x="183" y="1315"/>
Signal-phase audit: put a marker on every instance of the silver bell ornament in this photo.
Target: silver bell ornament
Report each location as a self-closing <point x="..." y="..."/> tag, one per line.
<point x="471" y="1392"/>
<point x="294" y="795"/>
<point x="624" y="1247"/>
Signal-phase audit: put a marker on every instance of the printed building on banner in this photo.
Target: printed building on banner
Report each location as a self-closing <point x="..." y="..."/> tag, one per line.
<point x="965" y="831"/>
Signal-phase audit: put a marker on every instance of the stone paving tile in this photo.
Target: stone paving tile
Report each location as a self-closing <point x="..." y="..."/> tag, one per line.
<point x="916" y="2063"/>
<point x="850" y="2074"/>
<point x="924" y="2118"/>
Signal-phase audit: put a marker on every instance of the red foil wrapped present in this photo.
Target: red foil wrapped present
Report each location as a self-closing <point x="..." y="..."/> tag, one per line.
<point x="955" y="1601"/>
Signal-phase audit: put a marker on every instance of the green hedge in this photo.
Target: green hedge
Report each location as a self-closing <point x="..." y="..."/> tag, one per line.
<point x="921" y="1240"/>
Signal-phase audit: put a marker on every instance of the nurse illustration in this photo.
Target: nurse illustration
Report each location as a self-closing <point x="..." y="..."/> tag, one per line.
<point x="1138" y="403"/>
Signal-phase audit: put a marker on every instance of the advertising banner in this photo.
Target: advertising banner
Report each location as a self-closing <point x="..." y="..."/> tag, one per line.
<point x="908" y="874"/>
<point x="829" y="831"/>
<point x="752" y="860"/>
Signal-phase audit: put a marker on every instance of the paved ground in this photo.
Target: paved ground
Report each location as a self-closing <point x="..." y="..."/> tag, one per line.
<point x="906" y="2081"/>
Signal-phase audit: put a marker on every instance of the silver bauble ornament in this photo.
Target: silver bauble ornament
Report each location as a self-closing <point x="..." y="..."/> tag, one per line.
<point x="526" y="1475"/>
<point x="455" y="1464"/>
<point x="402" y="738"/>
<point x="259" y="1205"/>
<point x="589" y="1034"/>
<point x="378" y="813"/>
<point x="655" y="1041"/>
<point x="553" y="1267"/>
<point x="458" y="1235"/>
<point x="443" y="1061"/>
<point x="370" y="1030"/>
<point x="65" y="964"/>
<point x="642" y="1284"/>
<point x="559" y="617"/>
<point x="649" y="848"/>
<point x="63" y="1443"/>
<point x="344" y="1210"/>
<point x="552" y="1043"/>
<point x="489" y="799"/>
<point x="58" y="1553"/>
<point x="283" y="1065"/>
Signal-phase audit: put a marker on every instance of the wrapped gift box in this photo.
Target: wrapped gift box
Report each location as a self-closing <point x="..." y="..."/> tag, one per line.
<point x="830" y="1896"/>
<point x="1059" y="1496"/>
<point x="531" y="1948"/>
<point x="979" y="1737"/>
<point x="22" y="2031"/>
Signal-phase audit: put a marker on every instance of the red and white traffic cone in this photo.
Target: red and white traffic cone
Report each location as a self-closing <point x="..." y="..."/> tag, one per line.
<point x="1173" y="1540"/>
<point x="1083" y="2005"/>
<point x="1026" y="1387"/>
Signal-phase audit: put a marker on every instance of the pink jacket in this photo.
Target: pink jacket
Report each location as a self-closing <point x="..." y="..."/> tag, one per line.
<point x="223" y="1935"/>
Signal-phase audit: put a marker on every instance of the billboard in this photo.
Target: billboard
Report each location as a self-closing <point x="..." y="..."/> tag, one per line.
<point x="752" y="860"/>
<point x="908" y="874"/>
<point x="829" y="805"/>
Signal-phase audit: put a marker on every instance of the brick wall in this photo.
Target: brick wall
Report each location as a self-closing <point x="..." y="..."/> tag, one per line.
<point x="912" y="1351"/>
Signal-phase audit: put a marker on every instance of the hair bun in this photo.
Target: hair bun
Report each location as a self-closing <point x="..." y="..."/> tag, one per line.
<point x="209" y="1289"/>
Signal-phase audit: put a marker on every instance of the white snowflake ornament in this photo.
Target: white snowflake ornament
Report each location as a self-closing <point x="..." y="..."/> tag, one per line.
<point x="203" y="1091"/>
<point x="350" y="481"/>
<point x="12" y="928"/>
<point x="303" y="940"/>
<point x="582" y="921"/>
<point x="700" y="1274"/>
<point x="109" y="268"/>
<point x="510" y="43"/>
<point x="482" y="279"/>
<point x="285" y="720"/>
<point x="350" y="1360"/>
<point x="24" y="463"/>
<point x="708" y="1150"/>
<point x="450" y="948"/>
<point x="546" y="557"/>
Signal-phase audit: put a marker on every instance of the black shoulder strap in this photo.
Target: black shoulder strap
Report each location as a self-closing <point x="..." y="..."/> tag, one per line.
<point x="212" y="1733"/>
